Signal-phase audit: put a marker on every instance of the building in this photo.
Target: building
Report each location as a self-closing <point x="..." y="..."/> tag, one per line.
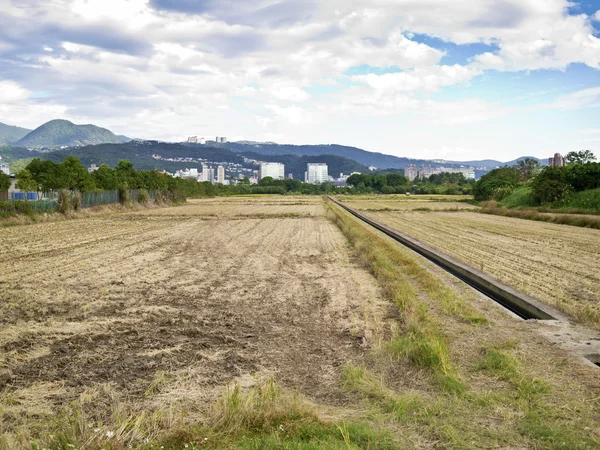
<point x="221" y="139"/>
<point x="202" y="141"/>
<point x="221" y="175"/>
<point x="273" y="170"/>
<point x="556" y="161"/>
<point x="4" y="168"/>
<point x="411" y="172"/>
<point x="425" y="172"/>
<point x="316" y="173"/>
<point x="92" y="168"/>
<point x="192" y="139"/>
<point x="208" y="174"/>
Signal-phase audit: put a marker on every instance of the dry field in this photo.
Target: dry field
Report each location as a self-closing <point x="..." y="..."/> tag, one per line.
<point x="558" y="264"/>
<point x="118" y="330"/>
<point x="126" y="299"/>
<point x="406" y="203"/>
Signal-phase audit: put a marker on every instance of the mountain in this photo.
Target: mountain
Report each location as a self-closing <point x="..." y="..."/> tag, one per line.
<point x="379" y="160"/>
<point x="492" y="163"/>
<point x="364" y="157"/>
<point x="148" y="155"/>
<point x="58" y="133"/>
<point x="10" y="134"/>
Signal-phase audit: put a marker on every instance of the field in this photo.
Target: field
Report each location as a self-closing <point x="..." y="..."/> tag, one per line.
<point x="265" y="322"/>
<point x="558" y="264"/>
<point x="407" y="203"/>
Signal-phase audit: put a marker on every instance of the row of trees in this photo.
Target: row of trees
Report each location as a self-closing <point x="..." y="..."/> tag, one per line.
<point x="393" y="183"/>
<point x="548" y="184"/>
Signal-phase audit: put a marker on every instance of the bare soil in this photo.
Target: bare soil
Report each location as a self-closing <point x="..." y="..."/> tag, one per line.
<point x="205" y="292"/>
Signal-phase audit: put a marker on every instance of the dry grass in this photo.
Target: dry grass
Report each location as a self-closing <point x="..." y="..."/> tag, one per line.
<point x="167" y="308"/>
<point x="560" y="265"/>
<point x="407" y="203"/>
<point x="519" y="391"/>
<point x="254" y="329"/>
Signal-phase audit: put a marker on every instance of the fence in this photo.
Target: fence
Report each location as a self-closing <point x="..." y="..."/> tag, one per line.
<point x="47" y="202"/>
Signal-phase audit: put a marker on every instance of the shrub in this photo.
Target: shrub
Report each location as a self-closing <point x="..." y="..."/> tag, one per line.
<point x="143" y="196"/>
<point x="64" y="201"/>
<point x="499" y="182"/>
<point x="77" y="201"/>
<point x="124" y="195"/>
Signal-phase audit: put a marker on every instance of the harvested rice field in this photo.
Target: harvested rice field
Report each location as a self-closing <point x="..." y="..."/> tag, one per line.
<point x="407" y="202"/>
<point x="558" y="264"/>
<point x="265" y="322"/>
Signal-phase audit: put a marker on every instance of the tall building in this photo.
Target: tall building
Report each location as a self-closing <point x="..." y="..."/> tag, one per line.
<point x="273" y="170"/>
<point x="556" y="161"/>
<point x="208" y="174"/>
<point x="221" y="175"/>
<point x="316" y="173"/>
<point x="411" y="172"/>
<point x="193" y="139"/>
<point x="221" y="139"/>
<point x="4" y="168"/>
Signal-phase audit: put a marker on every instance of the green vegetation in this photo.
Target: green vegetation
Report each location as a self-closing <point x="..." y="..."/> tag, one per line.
<point x="11" y="134"/>
<point x="395" y="183"/>
<point x="574" y="188"/>
<point x="262" y="417"/>
<point x="65" y="133"/>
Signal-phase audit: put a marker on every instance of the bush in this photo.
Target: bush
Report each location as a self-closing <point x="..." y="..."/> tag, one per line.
<point x="551" y="185"/>
<point x="498" y="183"/>
<point x="64" y="201"/>
<point x="124" y="195"/>
<point x="77" y="201"/>
<point x="143" y="196"/>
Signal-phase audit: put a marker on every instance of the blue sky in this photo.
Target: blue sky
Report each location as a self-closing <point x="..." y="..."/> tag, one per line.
<point x="418" y="78"/>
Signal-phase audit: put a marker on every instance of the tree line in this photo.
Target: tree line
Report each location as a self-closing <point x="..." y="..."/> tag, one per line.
<point x="547" y="184"/>
<point x="394" y="183"/>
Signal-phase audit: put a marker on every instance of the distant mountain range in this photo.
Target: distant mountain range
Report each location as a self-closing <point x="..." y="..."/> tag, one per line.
<point x="58" y="133"/>
<point x="374" y="159"/>
<point x="10" y="134"/>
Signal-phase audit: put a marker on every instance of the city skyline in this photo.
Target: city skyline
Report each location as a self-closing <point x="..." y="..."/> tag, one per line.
<point x="434" y="80"/>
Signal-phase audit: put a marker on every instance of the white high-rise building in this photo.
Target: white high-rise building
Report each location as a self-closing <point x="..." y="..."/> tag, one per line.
<point x="221" y="175"/>
<point x="208" y="174"/>
<point x="273" y="170"/>
<point x="316" y="173"/>
<point x="4" y="168"/>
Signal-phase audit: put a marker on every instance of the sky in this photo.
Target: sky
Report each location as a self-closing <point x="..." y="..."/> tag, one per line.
<point x="435" y="79"/>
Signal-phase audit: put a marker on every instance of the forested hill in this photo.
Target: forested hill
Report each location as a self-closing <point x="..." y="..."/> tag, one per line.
<point x="57" y="133"/>
<point x="364" y="157"/>
<point x="10" y="134"/>
<point x="164" y="156"/>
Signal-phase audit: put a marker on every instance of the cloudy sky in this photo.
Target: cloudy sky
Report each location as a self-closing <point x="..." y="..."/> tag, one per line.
<point x="458" y="79"/>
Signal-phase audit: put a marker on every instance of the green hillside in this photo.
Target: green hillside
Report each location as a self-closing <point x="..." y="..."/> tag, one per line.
<point x="10" y="134"/>
<point x="58" y="133"/>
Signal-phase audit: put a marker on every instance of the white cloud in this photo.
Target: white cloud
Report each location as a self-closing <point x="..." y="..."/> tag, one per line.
<point x="584" y="98"/>
<point x="11" y="92"/>
<point x="421" y="79"/>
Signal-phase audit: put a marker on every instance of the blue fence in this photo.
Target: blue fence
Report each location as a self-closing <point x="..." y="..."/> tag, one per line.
<point x="33" y="202"/>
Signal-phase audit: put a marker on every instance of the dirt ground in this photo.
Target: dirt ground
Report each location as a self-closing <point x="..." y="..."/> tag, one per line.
<point x="166" y="307"/>
<point x="207" y="292"/>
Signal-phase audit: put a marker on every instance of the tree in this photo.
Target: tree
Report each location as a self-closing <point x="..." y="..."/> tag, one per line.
<point x="105" y="178"/>
<point x="4" y="182"/>
<point x="580" y="157"/>
<point x="528" y="168"/>
<point x="266" y="181"/>
<point x="74" y="176"/>
<point x="25" y="181"/>
<point x="496" y="184"/>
